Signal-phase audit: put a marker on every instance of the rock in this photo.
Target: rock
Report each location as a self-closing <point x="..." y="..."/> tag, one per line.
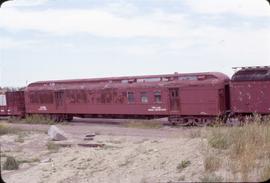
<point x="56" y="134"/>
<point x="88" y="139"/>
<point x="46" y="160"/>
<point x="91" y="135"/>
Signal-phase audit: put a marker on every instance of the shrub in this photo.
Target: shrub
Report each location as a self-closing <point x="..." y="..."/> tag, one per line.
<point x="11" y="164"/>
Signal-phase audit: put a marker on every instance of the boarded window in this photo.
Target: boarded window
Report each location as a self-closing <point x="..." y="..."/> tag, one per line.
<point x="34" y="98"/>
<point x="144" y="97"/>
<point x="131" y="97"/>
<point x="157" y="96"/>
<point x="46" y="98"/>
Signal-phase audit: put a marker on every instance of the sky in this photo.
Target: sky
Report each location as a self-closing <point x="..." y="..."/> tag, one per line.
<point x="73" y="39"/>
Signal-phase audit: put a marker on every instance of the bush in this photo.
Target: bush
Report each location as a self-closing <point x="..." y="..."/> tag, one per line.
<point x="11" y="164"/>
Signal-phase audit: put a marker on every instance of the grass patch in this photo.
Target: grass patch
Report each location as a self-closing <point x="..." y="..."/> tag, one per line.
<point x="144" y="124"/>
<point x="211" y="178"/>
<point x="246" y="147"/>
<point x="4" y="129"/>
<point x="211" y="163"/>
<point x="218" y="138"/>
<point x="265" y="174"/>
<point x="52" y="147"/>
<point x="184" y="164"/>
<point x="33" y="119"/>
<point x="11" y="164"/>
<point x="20" y="138"/>
<point x="196" y="133"/>
<point x="38" y="119"/>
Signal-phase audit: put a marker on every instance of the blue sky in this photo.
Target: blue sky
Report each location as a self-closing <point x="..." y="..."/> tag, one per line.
<point x="68" y="39"/>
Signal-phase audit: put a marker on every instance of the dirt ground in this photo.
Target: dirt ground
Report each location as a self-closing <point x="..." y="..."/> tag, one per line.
<point x="128" y="155"/>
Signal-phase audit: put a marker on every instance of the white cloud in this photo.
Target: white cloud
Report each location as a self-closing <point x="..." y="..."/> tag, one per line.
<point x="95" y="22"/>
<point x="240" y="7"/>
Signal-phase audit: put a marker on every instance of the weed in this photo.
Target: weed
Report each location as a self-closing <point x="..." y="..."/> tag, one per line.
<point x="4" y="129"/>
<point x="38" y="119"/>
<point x="212" y="163"/>
<point x="184" y="164"/>
<point x="145" y="124"/>
<point x="182" y="178"/>
<point x="218" y="138"/>
<point x="211" y="178"/>
<point x="52" y="147"/>
<point x="11" y="164"/>
<point x="195" y="133"/>
<point x="265" y="174"/>
<point x="245" y="146"/>
<point x="20" y="138"/>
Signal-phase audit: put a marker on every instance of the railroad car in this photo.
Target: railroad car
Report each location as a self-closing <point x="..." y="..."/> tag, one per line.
<point x="250" y="89"/>
<point x="12" y="104"/>
<point x="186" y="99"/>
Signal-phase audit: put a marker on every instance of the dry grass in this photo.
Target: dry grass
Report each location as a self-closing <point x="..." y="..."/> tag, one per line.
<point x="38" y="119"/>
<point x="211" y="178"/>
<point x="11" y="164"/>
<point x="52" y="147"/>
<point x="144" y="124"/>
<point x="212" y="163"/>
<point x="32" y="119"/>
<point x="246" y="147"/>
<point x="4" y="129"/>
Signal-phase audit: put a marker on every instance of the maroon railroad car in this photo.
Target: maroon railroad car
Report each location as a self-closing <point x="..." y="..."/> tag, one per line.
<point x="250" y="89"/>
<point x="12" y="104"/>
<point x="184" y="98"/>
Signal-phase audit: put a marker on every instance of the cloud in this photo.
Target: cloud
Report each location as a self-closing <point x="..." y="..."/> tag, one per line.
<point x="256" y="8"/>
<point x="95" y="22"/>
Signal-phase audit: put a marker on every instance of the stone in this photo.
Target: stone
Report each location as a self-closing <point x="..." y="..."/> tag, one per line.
<point x="48" y="160"/>
<point x="56" y="134"/>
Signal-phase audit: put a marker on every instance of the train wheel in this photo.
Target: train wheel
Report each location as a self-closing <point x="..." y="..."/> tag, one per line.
<point x="69" y="118"/>
<point x="202" y="122"/>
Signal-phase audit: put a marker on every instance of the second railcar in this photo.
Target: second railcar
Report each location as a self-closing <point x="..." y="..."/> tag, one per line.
<point x="184" y="98"/>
